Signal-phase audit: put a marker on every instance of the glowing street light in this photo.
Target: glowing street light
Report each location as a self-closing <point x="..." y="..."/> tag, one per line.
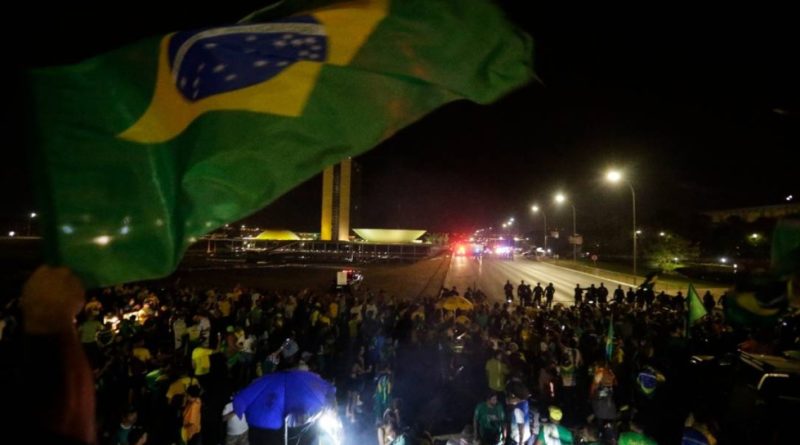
<point x="535" y="209"/>
<point x="662" y="234"/>
<point x="615" y="176"/>
<point x="32" y="216"/>
<point x="102" y="240"/>
<point x="12" y="234"/>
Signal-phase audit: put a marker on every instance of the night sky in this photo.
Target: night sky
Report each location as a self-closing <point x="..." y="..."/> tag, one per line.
<point x="701" y="108"/>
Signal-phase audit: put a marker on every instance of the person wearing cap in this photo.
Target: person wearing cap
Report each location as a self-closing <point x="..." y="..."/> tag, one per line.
<point x="552" y="433"/>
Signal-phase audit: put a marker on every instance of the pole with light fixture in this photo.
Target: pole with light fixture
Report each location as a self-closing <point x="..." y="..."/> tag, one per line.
<point x="535" y="209"/>
<point x="560" y="198"/>
<point x="615" y="176"/>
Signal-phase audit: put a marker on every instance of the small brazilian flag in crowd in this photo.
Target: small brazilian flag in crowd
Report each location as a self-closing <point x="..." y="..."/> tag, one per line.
<point x="696" y="309"/>
<point x="756" y="301"/>
<point x="761" y="299"/>
<point x="145" y="149"/>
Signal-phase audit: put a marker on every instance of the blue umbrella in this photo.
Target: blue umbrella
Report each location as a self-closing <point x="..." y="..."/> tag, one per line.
<point x="269" y="400"/>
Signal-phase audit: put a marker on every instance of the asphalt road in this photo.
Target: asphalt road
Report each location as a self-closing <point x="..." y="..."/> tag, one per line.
<point x="490" y="274"/>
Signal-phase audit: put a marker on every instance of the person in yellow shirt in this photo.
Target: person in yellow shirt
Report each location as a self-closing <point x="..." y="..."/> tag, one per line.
<point x="141" y="353"/>
<point x="201" y="360"/>
<point x="315" y="313"/>
<point x="224" y="306"/>
<point x="179" y="387"/>
<point x="333" y="309"/>
<point x="324" y="320"/>
<point x="93" y="307"/>
<point x="496" y="372"/>
<point x="152" y="300"/>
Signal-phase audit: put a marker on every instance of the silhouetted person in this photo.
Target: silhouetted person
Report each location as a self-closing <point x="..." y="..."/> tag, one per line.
<point x="619" y="294"/>
<point x="708" y="301"/>
<point x="578" y="294"/>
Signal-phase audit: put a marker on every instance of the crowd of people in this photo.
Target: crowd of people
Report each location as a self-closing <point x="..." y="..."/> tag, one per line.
<point x="166" y="362"/>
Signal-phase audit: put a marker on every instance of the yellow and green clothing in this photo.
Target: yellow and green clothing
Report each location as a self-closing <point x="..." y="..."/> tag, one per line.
<point x="201" y="360"/>
<point x="496" y="372"/>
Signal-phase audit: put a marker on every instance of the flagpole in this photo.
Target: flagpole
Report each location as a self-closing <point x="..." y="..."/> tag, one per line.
<point x="686" y="324"/>
<point x="633" y="199"/>
<point x="574" y="236"/>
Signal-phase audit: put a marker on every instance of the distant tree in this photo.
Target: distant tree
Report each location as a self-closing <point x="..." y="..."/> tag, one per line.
<point x="670" y="251"/>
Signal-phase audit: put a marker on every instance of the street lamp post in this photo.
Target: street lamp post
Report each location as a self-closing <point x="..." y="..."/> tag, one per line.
<point x="633" y="211"/>
<point x="560" y="198"/>
<point x="615" y="176"/>
<point x="536" y="209"/>
<point x="574" y="236"/>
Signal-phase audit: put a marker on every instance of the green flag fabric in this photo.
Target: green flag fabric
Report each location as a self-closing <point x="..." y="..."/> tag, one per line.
<point x="786" y="247"/>
<point x="610" y="339"/>
<point x="786" y="257"/>
<point x="757" y="300"/>
<point x="143" y="150"/>
<point x="744" y="308"/>
<point x="695" y="304"/>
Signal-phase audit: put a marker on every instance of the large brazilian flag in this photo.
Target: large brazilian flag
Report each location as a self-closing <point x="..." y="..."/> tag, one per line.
<point x="144" y="149"/>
